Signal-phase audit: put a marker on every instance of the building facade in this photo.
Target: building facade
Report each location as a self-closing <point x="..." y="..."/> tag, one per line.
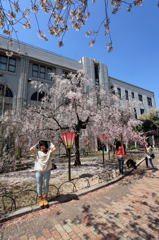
<point x="144" y="99"/>
<point x="29" y="63"/>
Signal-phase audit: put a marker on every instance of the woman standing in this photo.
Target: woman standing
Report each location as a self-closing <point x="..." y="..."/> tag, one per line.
<point x="120" y="153"/>
<point x="43" y="167"/>
<point x="150" y="155"/>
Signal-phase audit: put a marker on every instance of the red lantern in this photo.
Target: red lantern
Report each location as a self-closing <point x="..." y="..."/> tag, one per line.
<point x="68" y="138"/>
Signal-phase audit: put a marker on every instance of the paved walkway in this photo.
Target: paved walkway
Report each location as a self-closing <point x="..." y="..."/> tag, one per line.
<point x="125" y="210"/>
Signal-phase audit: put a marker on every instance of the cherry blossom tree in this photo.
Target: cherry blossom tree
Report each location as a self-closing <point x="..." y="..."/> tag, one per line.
<point x="61" y="16"/>
<point x="25" y="127"/>
<point x="66" y="106"/>
<point x="117" y="120"/>
<point x="95" y="109"/>
<point x="71" y="104"/>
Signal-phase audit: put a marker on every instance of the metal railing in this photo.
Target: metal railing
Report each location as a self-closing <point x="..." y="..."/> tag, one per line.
<point x="12" y="200"/>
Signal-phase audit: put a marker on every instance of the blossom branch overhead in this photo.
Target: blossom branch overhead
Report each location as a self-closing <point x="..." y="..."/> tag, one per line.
<point x="61" y="17"/>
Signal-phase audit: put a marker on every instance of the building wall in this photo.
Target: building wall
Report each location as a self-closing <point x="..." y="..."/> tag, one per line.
<point x="123" y="86"/>
<point x="26" y="55"/>
<point x="89" y="67"/>
<point x="20" y="81"/>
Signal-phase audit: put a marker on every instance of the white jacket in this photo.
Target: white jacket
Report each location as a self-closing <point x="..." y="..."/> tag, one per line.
<point x="149" y="151"/>
<point x="43" y="160"/>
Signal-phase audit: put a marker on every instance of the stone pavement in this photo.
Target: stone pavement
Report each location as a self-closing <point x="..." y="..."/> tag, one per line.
<point x="126" y="210"/>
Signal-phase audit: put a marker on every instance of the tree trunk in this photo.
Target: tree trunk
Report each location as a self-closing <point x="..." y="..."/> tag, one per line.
<point x="109" y="154"/>
<point x="18" y="153"/>
<point x="77" y="152"/>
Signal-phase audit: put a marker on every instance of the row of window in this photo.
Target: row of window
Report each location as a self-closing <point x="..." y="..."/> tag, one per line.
<point x="38" y="71"/>
<point x="42" y="72"/>
<point x="37" y="96"/>
<point x="140" y="97"/>
<point x="6" y="92"/>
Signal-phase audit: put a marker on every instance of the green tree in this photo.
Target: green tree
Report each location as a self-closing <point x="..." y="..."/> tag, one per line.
<point x="150" y="120"/>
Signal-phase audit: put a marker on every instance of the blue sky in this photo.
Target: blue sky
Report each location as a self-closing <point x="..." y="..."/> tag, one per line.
<point x="135" y="35"/>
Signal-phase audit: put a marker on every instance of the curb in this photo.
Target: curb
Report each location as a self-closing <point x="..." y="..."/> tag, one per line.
<point x="25" y="210"/>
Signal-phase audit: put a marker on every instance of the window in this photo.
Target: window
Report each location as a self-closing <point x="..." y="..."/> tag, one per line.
<point x="39" y="71"/>
<point x="149" y="101"/>
<point x="140" y="97"/>
<point x="132" y="95"/>
<point x="1" y="108"/>
<point x="112" y="90"/>
<point x="35" y="70"/>
<point x="50" y="70"/>
<point x="3" y="63"/>
<point x="142" y="111"/>
<point x="126" y="95"/>
<point x="135" y="113"/>
<point x="7" y="64"/>
<point x="119" y="92"/>
<point x="37" y="96"/>
<point x="5" y="91"/>
<point x="65" y="73"/>
<point x="41" y="95"/>
<point x="96" y="73"/>
<point x="12" y="65"/>
<point x="34" y="96"/>
<point x="1" y="90"/>
<point x="8" y="92"/>
<point x="42" y="72"/>
<point x="6" y="96"/>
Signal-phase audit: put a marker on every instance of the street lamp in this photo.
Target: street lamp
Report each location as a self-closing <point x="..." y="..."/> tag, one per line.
<point x="103" y="137"/>
<point x="68" y="138"/>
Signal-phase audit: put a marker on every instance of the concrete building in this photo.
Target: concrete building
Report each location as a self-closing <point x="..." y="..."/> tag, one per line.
<point x="144" y="99"/>
<point x="30" y="63"/>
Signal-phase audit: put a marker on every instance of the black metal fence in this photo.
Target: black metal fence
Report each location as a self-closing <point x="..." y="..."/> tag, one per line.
<point x="12" y="200"/>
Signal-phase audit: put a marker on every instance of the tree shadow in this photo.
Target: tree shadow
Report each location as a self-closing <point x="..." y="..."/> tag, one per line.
<point x="137" y="174"/>
<point x="64" y="198"/>
<point x="109" y="224"/>
<point x="85" y="175"/>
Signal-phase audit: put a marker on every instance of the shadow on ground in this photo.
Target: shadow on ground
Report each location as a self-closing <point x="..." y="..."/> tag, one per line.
<point x="110" y="225"/>
<point x="65" y="198"/>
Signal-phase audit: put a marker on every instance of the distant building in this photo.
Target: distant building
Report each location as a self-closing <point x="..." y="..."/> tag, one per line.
<point x="17" y="72"/>
<point x="144" y="99"/>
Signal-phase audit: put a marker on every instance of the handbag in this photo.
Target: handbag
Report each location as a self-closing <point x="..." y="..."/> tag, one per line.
<point x="152" y="155"/>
